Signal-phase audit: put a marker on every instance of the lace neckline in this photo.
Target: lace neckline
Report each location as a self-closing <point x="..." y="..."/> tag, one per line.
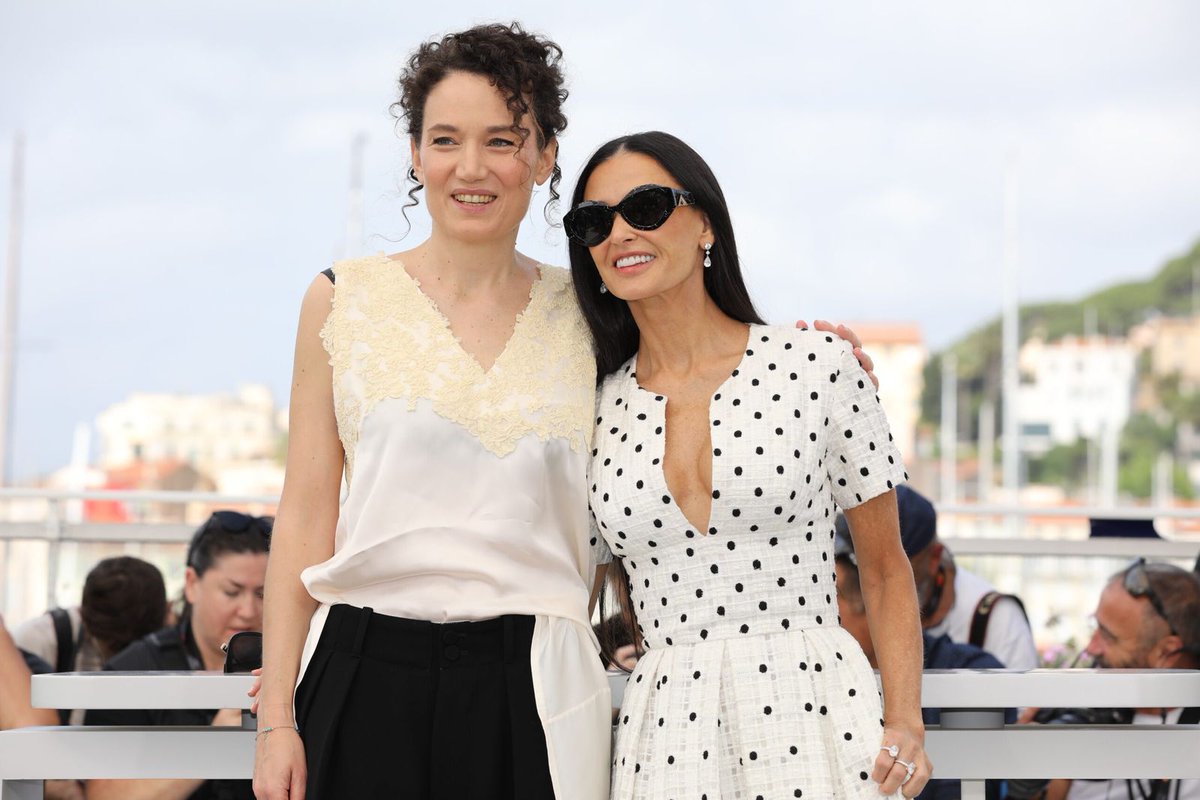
<point x="442" y="322"/>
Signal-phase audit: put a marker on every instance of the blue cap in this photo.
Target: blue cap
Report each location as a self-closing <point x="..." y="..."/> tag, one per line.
<point x="918" y="520"/>
<point x="918" y="525"/>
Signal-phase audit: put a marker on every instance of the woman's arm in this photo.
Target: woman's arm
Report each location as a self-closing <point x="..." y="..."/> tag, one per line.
<point x="891" y="601"/>
<point x="303" y="536"/>
<point x="16" y="709"/>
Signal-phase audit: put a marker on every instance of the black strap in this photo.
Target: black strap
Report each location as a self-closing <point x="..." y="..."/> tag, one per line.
<point x="328" y="273"/>
<point x="1190" y="716"/>
<point x="65" y="661"/>
<point x="170" y="647"/>
<point x="983" y="614"/>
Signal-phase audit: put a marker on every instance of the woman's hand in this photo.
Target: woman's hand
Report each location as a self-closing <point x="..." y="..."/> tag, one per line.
<point x="280" y="771"/>
<point x="850" y="336"/>
<point x="892" y="772"/>
<point x="255" y="689"/>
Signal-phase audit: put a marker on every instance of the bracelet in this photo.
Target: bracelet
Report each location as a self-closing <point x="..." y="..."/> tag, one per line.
<point x="265" y="731"/>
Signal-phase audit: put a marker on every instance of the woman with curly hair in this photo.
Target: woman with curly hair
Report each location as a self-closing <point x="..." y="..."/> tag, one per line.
<point x="434" y="629"/>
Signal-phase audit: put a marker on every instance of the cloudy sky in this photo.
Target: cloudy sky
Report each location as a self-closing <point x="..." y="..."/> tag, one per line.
<point x="187" y="164"/>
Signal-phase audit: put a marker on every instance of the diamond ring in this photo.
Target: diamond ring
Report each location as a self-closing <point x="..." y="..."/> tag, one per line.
<point x="909" y="768"/>
<point x="892" y="750"/>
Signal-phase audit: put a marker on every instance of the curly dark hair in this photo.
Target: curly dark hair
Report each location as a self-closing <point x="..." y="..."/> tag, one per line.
<point x="524" y="67"/>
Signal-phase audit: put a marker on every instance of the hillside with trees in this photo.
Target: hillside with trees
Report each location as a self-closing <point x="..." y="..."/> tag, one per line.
<point x="1111" y="312"/>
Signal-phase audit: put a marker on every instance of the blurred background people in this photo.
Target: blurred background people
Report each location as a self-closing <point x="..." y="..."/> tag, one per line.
<point x="124" y="598"/>
<point x="16" y="708"/>
<point x="223" y="586"/>
<point x="1148" y="617"/>
<point x="957" y="602"/>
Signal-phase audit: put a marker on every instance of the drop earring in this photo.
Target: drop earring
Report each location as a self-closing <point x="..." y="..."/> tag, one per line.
<point x="707" y="255"/>
<point x="603" y="288"/>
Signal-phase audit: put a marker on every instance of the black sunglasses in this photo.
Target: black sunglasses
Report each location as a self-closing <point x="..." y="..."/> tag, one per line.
<point x="1137" y="583"/>
<point x="230" y="522"/>
<point x="645" y="208"/>
<point x="243" y="651"/>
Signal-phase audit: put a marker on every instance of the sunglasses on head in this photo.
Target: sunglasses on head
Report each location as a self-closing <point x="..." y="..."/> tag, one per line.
<point x="645" y="208"/>
<point x="229" y="522"/>
<point x="1137" y="583"/>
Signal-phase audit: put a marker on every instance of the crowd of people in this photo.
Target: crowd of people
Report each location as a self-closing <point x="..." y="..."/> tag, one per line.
<point x="526" y="448"/>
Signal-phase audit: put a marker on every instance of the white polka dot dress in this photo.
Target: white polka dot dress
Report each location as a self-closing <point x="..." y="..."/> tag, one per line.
<point x="749" y="688"/>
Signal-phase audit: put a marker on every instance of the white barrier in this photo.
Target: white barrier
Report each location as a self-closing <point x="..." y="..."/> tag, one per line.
<point x="971" y="744"/>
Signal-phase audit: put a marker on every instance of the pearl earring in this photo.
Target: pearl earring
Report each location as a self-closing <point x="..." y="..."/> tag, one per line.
<point x="603" y="288"/>
<point x="707" y="256"/>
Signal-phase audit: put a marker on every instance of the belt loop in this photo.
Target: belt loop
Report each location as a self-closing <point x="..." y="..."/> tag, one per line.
<point x="433" y="630"/>
<point x="361" y="633"/>
<point x="508" y="638"/>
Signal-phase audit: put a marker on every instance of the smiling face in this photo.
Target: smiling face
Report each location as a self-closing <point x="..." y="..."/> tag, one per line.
<point x="477" y="172"/>
<point x="226" y="599"/>
<point x="637" y="264"/>
<point x="1128" y="634"/>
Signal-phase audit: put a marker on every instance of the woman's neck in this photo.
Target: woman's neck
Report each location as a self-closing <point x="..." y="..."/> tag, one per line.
<point x="464" y="268"/>
<point x="682" y="331"/>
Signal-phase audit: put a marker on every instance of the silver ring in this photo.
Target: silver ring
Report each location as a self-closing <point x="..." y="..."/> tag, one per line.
<point x="892" y="750"/>
<point x="909" y="768"/>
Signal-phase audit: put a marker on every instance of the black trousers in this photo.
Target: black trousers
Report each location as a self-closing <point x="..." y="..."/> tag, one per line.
<point x="399" y="708"/>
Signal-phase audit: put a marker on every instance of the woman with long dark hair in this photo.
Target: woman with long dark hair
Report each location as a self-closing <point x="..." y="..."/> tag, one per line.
<point x="722" y="448"/>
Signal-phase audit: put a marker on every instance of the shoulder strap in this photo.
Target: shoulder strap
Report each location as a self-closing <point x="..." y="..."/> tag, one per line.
<point x="328" y="273"/>
<point x="170" y="647"/>
<point x="983" y="614"/>
<point x="65" y="659"/>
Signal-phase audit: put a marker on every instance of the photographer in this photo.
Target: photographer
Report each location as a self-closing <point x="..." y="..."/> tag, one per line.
<point x="1148" y="618"/>
<point x="226" y="569"/>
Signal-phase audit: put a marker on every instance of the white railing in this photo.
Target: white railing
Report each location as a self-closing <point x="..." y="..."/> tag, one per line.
<point x="971" y="744"/>
<point x="1045" y="555"/>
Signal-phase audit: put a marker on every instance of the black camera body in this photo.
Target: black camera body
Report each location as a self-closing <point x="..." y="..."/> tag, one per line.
<point x="1084" y="716"/>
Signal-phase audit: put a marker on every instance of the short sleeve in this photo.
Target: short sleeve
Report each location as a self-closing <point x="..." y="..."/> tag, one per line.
<point x="37" y="636"/>
<point x="863" y="461"/>
<point x="601" y="554"/>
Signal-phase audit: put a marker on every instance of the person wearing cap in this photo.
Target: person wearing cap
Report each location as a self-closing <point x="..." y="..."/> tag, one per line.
<point x="223" y="589"/>
<point x="957" y="602"/>
<point x="940" y="651"/>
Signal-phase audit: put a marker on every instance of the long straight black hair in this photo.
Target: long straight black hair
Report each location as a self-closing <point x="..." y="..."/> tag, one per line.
<point x="614" y="331"/>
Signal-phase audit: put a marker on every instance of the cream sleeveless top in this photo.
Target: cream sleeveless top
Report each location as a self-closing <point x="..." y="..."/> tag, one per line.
<point x="467" y="488"/>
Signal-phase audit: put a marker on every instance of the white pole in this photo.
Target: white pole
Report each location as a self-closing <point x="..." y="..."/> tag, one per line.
<point x="8" y="367"/>
<point x="1010" y="340"/>
<point x="949" y="428"/>
<point x="354" y="219"/>
<point x="1164" y="489"/>
<point x="1110" y="438"/>
<point x="987" y="449"/>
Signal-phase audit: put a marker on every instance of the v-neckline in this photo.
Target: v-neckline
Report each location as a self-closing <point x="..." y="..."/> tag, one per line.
<point x="662" y="459"/>
<point x="444" y="321"/>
